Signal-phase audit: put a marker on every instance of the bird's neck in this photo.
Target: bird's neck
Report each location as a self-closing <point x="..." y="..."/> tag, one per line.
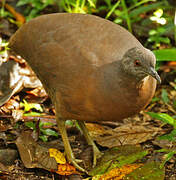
<point x="114" y="76"/>
<point x="134" y="79"/>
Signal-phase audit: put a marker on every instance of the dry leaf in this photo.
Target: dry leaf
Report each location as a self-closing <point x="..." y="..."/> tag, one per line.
<point x="66" y="169"/>
<point x="96" y="129"/>
<point x="32" y="154"/>
<point x="14" y="78"/>
<point x="59" y="157"/>
<point x="10" y="80"/>
<point x="3" y="127"/>
<point x="17" y="114"/>
<point x="38" y="92"/>
<point x="10" y="105"/>
<point x="5" y="29"/>
<point x="165" y="143"/>
<point x="126" y="134"/>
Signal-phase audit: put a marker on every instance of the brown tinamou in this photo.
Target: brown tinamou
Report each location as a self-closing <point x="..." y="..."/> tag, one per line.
<point x="93" y="69"/>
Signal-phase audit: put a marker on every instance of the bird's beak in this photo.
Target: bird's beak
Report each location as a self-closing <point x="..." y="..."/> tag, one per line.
<point x="154" y="74"/>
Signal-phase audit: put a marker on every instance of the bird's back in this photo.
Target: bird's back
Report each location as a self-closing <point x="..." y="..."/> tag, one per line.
<point x="72" y="44"/>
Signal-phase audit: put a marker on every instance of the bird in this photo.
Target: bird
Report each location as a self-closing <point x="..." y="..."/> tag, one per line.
<point x="93" y="70"/>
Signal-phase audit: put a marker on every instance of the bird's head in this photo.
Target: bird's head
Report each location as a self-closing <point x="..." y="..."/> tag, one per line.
<point x="140" y="62"/>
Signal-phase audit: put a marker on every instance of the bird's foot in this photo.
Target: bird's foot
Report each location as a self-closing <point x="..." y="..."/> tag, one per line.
<point x="75" y="163"/>
<point x="78" y="160"/>
<point x="96" y="155"/>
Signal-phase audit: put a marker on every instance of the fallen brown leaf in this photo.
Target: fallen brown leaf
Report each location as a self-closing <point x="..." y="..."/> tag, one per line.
<point x="32" y="154"/>
<point x="127" y="134"/>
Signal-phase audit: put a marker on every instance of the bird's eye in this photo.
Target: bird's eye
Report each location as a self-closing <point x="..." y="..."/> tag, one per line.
<point x="137" y="63"/>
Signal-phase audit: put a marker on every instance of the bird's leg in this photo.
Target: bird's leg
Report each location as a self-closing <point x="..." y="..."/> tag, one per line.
<point x="96" y="152"/>
<point x="68" y="150"/>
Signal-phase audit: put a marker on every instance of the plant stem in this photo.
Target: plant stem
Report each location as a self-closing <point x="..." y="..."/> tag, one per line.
<point x="112" y="9"/>
<point x="175" y="28"/>
<point x="126" y="15"/>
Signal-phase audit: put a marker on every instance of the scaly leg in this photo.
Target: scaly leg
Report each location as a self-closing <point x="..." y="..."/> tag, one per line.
<point x="96" y="152"/>
<point x="68" y="150"/>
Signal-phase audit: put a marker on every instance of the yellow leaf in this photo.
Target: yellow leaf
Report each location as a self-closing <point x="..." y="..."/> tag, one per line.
<point x="119" y="173"/>
<point x="60" y="158"/>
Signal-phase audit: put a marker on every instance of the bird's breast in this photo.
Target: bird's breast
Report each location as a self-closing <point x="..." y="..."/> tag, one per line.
<point x="114" y="101"/>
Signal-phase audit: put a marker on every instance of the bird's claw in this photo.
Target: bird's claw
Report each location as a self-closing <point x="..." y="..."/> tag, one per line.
<point x="96" y="155"/>
<point x="75" y="163"/>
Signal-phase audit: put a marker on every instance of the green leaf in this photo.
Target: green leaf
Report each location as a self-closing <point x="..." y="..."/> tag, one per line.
<point x="165" y="54"/>
<point x="32" y="114"/>
<point x="22" y="2"/>
<point x="43" y="138"/>
<point x="118" y="157"/>
<point x="165" y="40"/>
<point x="150" y="171"/>
<point x="37" y="4"/>
<point x="41" y="124"/>
<point x="174" y="102"/>
<point x="152" y="32"/>
<point x="164" y="96"/>
<point x="117" y="21"/>
<point x="167" y="157"/>
<point x="108" y="2"/>
<point x="100" y="168"/>
<point x="144" y="9"/>
<point x="30" y="125"/>
<point x="153" y="39"/>
<point x="70" y="123"/>
<point x="49" y="132"/>
<point x="128" y="159"/>
<point x="163" y="117"/>
<point x="92" y="4"/>
<point x="155" y="99"/>
<point x="170" y="137"/>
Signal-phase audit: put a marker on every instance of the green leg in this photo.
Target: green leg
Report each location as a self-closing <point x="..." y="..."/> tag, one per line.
<point x="96" y="152"/>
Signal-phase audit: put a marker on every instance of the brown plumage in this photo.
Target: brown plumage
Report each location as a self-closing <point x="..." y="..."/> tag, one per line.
<point x="93" y="69"/>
